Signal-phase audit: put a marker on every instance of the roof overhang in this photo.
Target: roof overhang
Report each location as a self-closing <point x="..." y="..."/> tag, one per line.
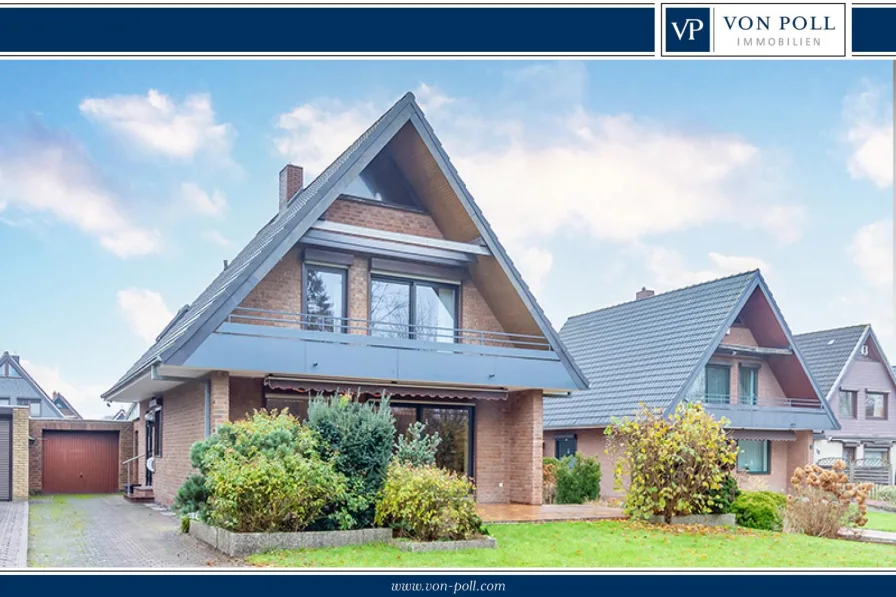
<point x="152" y="381"/>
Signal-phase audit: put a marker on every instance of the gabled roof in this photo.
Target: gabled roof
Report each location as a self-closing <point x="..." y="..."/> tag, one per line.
<point x="65" y="407"/>
<point x="650" y="351"/>
<point x="192" y="325"/>
<point x="828" y="353"/>
<point x="23" y="386"/>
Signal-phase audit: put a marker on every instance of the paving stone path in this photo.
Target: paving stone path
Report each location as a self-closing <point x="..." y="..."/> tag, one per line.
<point x="107" y="531"/>
<point x="13" y="534"/>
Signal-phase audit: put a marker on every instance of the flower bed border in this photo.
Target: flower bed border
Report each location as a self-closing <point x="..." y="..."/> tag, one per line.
<point x="710" y="520"/>
<point x="421" y="546"/>
<point x="244" y="544"/>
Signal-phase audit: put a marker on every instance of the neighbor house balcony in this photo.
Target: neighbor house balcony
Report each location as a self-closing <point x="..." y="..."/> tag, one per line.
<point x="316" y="346"/>
<point x="766" y="412"/>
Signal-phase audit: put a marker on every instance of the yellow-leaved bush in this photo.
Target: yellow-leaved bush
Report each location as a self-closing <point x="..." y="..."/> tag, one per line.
<point x="671" y="466"/>
<point x="427" y="503"/>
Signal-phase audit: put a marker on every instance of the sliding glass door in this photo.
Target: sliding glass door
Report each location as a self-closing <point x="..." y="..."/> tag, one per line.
<point x="454" y="424"/>
<point x="416" y="309"/>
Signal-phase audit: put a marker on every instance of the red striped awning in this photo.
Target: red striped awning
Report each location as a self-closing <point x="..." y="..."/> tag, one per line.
<point x="778" y="435"/>
<point x="304" y="387"/>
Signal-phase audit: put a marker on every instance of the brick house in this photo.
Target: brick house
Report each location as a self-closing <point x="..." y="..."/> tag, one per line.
<point x="18" y="388"/>
<point x="724" y="343"/>
<point x="380" y="276"/>
<point x="853" y="373"/>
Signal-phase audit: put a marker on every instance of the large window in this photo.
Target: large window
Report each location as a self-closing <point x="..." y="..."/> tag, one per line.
<point x="718" y="384"/>
<point x="324" y="298"/>
<point x="454" y="424"/>
<point x="875" y="405"/>
<point x="382" y="181"/>
<point x="848" y="400"/>
<point x="748" y="384"/>
<point x="754" y="456"/>
<point x="418" y="309"/>
<point x="565" y="446"/>
<point x="881" y="454"/>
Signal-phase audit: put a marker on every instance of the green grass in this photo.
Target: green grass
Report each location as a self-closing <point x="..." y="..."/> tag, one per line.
<point x="881" y="521"/>
<point x="608" y="544"/>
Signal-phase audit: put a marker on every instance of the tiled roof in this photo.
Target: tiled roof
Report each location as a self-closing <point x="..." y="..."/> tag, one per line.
<point x="17" y="387"/>
<point x="827" y="352"/>
<point x="644" y="351"/>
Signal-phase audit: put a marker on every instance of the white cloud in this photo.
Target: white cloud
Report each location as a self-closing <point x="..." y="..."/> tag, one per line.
<point x="85" y="397"/>
<point x="156" y="123"/>
<point x="145" y="312"/>
<point x="216" y="238"/>
<point x="670" y="270"/>
<point x="431" y="98"/>
<point x="786" y="222"/>
<point x="53" y="174"/>
<point x="871" y="250"/>
<point x="199" y="201"/>
<point x="869" y="122"/>
<point x="534" y="264"/>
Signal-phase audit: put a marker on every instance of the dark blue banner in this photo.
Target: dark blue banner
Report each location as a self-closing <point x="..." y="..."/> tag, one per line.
<point x="874" y="29"/>
<point x="330" y="30"/>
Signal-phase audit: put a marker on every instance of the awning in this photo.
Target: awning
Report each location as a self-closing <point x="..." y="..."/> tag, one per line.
<point x="305" y="387"/>
<point x="765" y="434"/>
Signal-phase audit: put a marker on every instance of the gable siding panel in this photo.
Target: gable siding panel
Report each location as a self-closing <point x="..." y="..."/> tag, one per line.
<point x="861" y="375"/>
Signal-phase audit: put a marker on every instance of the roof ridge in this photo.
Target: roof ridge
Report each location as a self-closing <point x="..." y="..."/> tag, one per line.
<point x="829" y="330"/>
<point x="663" y="294"/>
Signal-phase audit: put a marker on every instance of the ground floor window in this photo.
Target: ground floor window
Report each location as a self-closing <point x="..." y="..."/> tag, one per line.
<point x="881" y="454"/>
<point x="565" y="445"/>
<point x="848" y="454"/>
<point x="754" y="456"/>
<point x="454" y="424"/>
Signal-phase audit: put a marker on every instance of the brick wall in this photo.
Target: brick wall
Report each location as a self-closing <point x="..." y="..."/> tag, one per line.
<point x="220" y="399"/>
<point x="280" y="289"/>
<point x="358" y="288"/>
<point x="20" y="455"/>
<point x="183" y="424"/>
<point x="36" y="428"/>
<point x="246" y="395"/>
<point x="382" y="217"/>
<point x="525" y="434"/>
<point x="491" y="467"/>
<point x="475" y="312"/>
<point x="591" y="443"/>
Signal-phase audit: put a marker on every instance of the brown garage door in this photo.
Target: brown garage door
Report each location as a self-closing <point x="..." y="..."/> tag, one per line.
<point x="80" y="462"/>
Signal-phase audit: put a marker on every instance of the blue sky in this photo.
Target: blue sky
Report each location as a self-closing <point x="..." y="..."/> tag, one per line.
<point x="124" y="184"/>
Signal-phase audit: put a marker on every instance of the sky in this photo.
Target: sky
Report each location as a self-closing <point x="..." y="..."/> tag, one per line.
<point x="125" y="184"/>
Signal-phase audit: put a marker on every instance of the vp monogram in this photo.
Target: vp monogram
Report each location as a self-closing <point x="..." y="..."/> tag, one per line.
<point x="690" y="27"/>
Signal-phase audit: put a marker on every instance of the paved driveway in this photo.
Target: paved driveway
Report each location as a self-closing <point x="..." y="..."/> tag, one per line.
<point x="107" y="531"/>
<point x="13" y="534"/>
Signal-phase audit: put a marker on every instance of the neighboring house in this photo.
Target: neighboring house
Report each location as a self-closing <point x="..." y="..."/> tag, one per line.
<point x="852" y="371"/>
<point x="68" y="411"/>
<point x="724" y="343"/>
<point x="17" y="388"/>
<point x="381" y="275"/>
<point x="131" y="413"/>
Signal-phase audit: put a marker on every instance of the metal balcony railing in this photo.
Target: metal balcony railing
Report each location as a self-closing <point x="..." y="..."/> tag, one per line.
<point x="385" y="329"/>
<point x="752" y="401"/>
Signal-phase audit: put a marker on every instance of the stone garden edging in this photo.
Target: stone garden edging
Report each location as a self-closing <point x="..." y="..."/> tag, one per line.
<point x="244" y="544"/>
<point x="420" y="546"/>
<point x="710" y="520"/>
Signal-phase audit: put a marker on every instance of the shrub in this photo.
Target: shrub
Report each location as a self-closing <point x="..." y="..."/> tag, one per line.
<point x="417" y="448"/>
<point x="185" y="524"/>
<point x="549" y="480"/>
<point x="578" y="479"/>
<point x="824" y="501"/>
<point x="426" y="503"/>
<point x="281" y="492"/>
<point x="723" y="497"/>
<point x="761" y="510"/>
<point x="357" y="438"/>
<point x="192" y="496"/>
<point x="674" y="465"/>
<point x="886" y="494"/>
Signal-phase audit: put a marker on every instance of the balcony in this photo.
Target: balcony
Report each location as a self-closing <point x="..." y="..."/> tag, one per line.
<point x="767" y="412"/>
<point x="337" y="347"/>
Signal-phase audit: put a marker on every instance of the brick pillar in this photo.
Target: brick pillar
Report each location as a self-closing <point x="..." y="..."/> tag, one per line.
<point x="220" y="398"/>
<point x="799" y="454"/>
<point x="20" y="472"/>
<point x="525" y="434"/>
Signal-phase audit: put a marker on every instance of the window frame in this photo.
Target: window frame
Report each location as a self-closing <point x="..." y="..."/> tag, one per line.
<point x="40" y="409"/>
<point x="412" y="284"/>
<point x="5" y="401"/>
<point x="768" y="456"/>
<point x="754" y="371"/>
<point x="854" y="398"/>
<point x="565" y="438"/>
<point x="331" y="269"/>
<point x="720" y="367"/>
<point x="885" y="398"/>
<point x="471" y="435"/>
<point x="157" y="432"/>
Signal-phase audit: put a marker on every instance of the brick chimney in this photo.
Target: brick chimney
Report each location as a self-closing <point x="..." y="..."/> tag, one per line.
<point x="644" y="293"/>
<point x="291" y="181"/>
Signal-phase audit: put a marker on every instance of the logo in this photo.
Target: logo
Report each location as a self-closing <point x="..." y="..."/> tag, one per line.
<point x="687" y="29"/>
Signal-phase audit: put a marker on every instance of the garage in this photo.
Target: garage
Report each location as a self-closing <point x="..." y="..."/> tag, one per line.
<point x="80" y="462"/>
<point x="5" y="458"/>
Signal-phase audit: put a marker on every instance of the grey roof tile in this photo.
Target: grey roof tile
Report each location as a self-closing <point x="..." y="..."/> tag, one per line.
<point x="827" y="352"/>
<point x="643" y="351"/>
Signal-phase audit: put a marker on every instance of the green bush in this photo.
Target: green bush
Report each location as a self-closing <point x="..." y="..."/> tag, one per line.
<point x="416" y="447"/>
<point x="185" y="524"/>
<point x="261" y="493"/>
<point x="549" y="480"/>
<point x="763" y="510"/>
<point x="723" y="497"/>
<point x="578" y="479"/>
<point x="426" y="503"/>
<point x="192" y="496"/>
<point x="886" y="494"/>
<point x="357" y="438"/>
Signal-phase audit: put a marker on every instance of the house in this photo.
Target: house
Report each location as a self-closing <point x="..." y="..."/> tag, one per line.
<point x="380" y="276"/>
<point x="724" y="343"/>
<point x="853" y="373"/>
<point x="17" y="388"/>
<point x="68" y="411"/>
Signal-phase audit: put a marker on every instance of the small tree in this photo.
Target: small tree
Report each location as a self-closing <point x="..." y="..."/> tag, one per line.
<point x="824" y="501"/>
<point x="417" y="448"/>
<point x="675" y="465"/>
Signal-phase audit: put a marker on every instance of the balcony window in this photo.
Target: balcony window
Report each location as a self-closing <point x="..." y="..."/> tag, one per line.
<point x="748" y="384"/>
<point x="754" y="456"/>
<point x="848" y="402"/>
<point x="875" y="405"/>
<point x="718" y="384"/>
<point x="412" y="309"/>
<point x="324" y="298"/>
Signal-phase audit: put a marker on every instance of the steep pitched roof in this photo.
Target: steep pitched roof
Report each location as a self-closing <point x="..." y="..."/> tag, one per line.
<point x="23" y="386"/>
<point x="193" y="324"/>
<point x="65" y="407"/>
<point x="828" y="353"/>
<point x="650" y="350"/>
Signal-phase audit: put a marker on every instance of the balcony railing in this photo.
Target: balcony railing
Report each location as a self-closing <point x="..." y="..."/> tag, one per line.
<point x="768" y="412"/>
<point x="385" y="329"/>
<point x="759" y="401"/>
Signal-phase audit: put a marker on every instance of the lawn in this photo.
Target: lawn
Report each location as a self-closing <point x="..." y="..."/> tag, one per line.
<point x="608" y="544"/>
<point x="881" y="521"/>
